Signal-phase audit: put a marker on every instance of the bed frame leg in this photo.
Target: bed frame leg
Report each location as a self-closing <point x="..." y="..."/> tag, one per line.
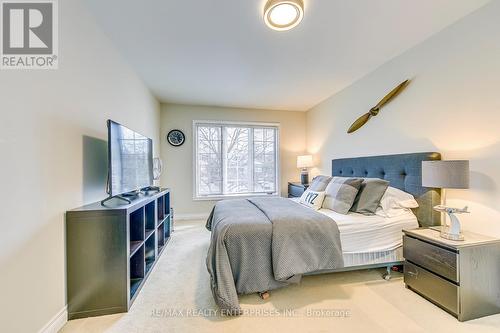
<point x="387" y="275"/>
<point x="264" y="295"/>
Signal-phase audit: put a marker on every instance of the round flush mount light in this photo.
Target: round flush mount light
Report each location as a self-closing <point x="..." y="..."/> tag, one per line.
<point x="283" y="15"/>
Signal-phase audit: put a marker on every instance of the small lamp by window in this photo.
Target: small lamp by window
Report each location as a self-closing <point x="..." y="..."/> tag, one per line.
<point x="452" y="175"/>
<point x="304" y="162"/>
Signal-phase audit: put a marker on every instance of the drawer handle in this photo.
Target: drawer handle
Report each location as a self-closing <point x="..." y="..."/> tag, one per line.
<point x="414" y="274"/>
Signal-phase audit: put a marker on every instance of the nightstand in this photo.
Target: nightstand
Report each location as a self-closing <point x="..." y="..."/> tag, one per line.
<point x="295" y="190"/>
<point x="461" y="277"/>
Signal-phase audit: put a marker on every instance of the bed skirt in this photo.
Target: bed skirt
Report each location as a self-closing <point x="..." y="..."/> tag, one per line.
<point x="371" y="258"/>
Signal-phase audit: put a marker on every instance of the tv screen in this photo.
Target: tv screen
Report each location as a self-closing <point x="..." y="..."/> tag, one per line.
<point x="130" y="159"/>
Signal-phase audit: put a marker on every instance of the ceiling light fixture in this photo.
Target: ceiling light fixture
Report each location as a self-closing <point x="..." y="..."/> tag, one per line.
<point x="283" y="15"/>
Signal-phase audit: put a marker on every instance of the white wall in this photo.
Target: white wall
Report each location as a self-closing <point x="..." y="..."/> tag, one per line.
<point x="178" y="161"/>
<point x="452" y="105"/>
<point x="53" y="158"/>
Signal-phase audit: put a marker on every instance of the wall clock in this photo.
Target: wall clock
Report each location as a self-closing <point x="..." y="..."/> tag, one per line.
<point x="176" y="137"/>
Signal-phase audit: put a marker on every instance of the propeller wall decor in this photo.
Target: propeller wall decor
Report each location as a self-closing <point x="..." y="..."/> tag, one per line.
<point x="375" y="110"/>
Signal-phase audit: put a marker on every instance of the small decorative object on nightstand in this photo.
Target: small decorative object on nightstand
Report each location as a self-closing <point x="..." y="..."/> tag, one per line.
<point x="304" y="162"/>
<point x="295" y="190"/>
<point x="447" y="174"/>
<point x="461" y="277"/>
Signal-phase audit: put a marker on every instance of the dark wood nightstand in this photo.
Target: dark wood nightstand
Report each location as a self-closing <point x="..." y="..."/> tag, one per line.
<point x="295" y="190"/>
<point x="461" y="277"/>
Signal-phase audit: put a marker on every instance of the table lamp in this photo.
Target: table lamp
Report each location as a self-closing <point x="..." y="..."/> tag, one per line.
<point x="304" y="162"/>
<point x="447" y="175"/>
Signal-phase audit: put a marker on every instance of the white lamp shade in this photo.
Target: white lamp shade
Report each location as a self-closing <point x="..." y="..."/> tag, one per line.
<point x="305" y="161"/>
<point x="445" y="174"/>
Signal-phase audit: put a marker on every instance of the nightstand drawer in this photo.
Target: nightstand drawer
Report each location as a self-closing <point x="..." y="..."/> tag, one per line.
<point x="432" y="287"/>
<point x="434" y="258"/>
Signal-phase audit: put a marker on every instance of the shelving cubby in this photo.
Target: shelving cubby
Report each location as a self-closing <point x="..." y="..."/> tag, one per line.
<point x="166" y="228"/>
<point x="136" y="225"/>
<point x="161" y="208"/>
<point x="137" y="270"/>
<point x="164" y="223"/>
<point x="150" y="216"/>
<point x="161" y="237"/>
<point x="150" y="254"/>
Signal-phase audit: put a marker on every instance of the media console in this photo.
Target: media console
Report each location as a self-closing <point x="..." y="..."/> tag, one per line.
<point x="110" y="251"/>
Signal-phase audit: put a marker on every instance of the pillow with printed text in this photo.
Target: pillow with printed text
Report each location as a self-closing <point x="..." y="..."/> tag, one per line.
<point x="312" y="199"/>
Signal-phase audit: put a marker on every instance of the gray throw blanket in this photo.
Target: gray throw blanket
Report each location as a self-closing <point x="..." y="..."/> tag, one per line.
<point x="262" y="244"/>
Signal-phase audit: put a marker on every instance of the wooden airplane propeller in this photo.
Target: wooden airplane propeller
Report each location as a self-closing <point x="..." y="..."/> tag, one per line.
<point x="375" y="110"/>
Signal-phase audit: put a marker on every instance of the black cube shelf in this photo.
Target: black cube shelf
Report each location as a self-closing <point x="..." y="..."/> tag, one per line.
<point x="111" y="251"/>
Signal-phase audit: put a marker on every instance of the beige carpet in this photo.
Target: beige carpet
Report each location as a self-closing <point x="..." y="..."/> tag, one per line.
<point x="177" y="298"/>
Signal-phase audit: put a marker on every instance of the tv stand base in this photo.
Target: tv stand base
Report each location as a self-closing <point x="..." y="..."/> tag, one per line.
<point x="115" y="197"/>
<point x="151" y="188"/>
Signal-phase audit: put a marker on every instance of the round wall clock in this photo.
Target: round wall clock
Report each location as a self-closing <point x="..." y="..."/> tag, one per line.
<point x="176" y="138"/>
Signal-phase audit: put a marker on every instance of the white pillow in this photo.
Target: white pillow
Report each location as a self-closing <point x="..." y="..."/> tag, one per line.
<point x="395" y="202"/>
<point x="312" y="199"/>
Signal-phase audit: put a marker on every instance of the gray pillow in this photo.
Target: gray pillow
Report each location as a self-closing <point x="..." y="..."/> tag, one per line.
<point x="340" y="194"/>
<point x="319" y="183"/>
<point x="369" y="196"/>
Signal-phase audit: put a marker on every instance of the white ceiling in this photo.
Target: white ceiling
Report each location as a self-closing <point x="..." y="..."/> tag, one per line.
<point x="219" y="52"/>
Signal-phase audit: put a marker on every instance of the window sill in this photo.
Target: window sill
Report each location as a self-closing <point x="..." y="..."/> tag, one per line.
<point x="234" y="196"/>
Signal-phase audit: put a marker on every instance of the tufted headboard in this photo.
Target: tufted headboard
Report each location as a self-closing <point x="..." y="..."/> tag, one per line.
<point x="403" y="171"/>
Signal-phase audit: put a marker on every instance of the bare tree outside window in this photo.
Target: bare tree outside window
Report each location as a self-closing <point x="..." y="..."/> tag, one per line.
<point x="209" y="160"/>
<point x="235" y="159"/>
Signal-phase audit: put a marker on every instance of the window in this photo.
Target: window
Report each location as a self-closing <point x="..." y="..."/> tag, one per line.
<point x="235" y="159"/>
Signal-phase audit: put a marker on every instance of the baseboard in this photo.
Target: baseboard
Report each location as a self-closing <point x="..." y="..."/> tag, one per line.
<point x="57" y="322"/>
<point x="184" y="217"/>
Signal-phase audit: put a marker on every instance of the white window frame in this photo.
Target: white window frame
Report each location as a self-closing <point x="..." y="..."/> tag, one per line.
<point x="197" y="123"/>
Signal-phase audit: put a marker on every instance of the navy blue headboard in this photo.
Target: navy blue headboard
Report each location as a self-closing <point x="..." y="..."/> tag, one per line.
<point x="403" y="171"/>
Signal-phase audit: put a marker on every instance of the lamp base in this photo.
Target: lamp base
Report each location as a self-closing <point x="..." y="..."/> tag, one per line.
<point x="304" y="177"/>
<point x="449" y="236"/>
<point x="453" y="231"/>
<point x="444" y="232"/>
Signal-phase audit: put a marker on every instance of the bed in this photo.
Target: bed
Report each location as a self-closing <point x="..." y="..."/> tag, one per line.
<point x="262" y="244"/>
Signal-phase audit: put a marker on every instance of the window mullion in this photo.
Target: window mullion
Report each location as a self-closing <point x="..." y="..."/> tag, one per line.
<point x="197" y="161"/>
<point x="224" y="159"/>
<point x="251" y="159"/>
<point x="276" y="166"/>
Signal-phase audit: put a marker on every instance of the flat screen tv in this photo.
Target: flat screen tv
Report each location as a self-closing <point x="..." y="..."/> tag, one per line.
<point x="130" y="157"/>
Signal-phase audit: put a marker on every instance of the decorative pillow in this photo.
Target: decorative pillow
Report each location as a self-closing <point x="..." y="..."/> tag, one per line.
<point x="312" y="199"/>
<point x="395" y="202"/>
<point x="340" y="194"/>
<point x="369" y="196"/>
<point x="319" y="183"/>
